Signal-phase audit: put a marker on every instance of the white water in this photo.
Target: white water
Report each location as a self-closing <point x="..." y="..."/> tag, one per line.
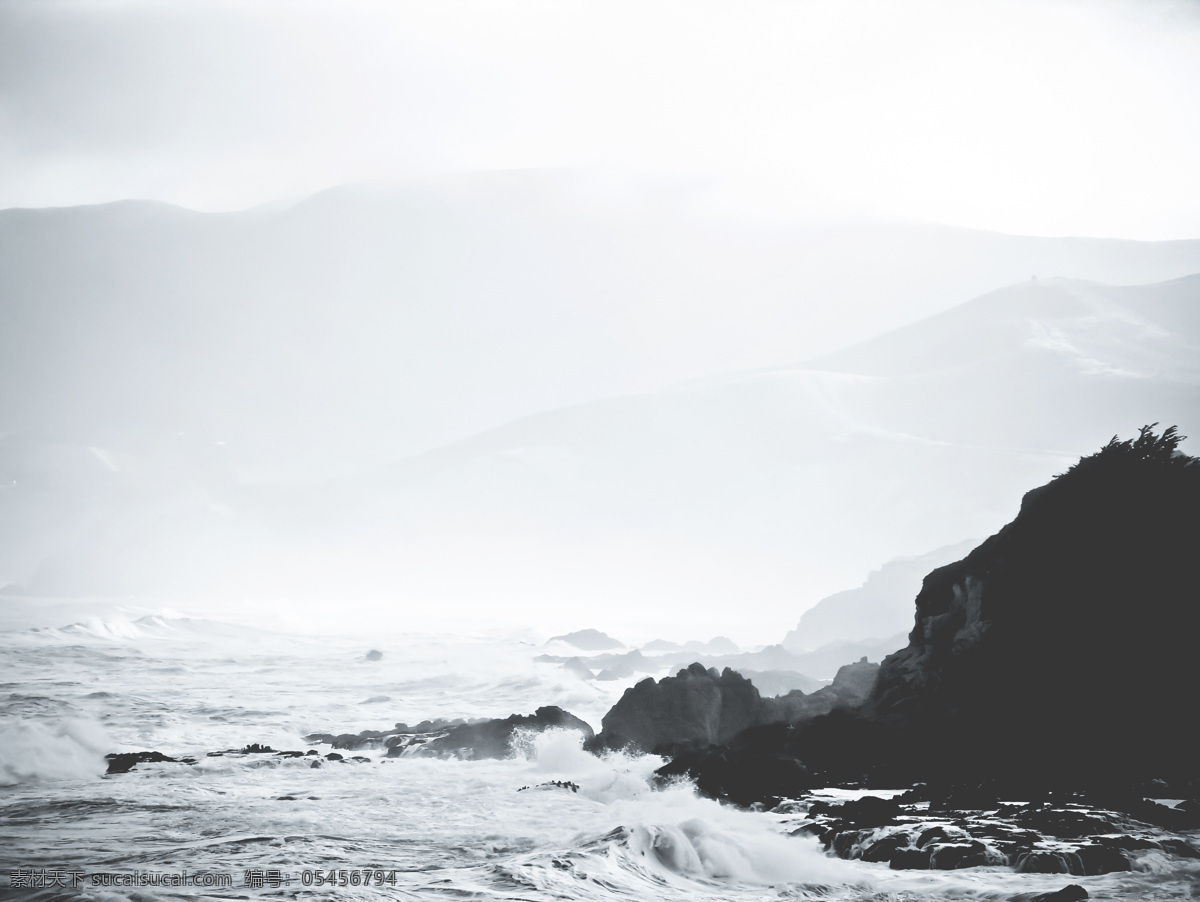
<point x="449" y="829"/>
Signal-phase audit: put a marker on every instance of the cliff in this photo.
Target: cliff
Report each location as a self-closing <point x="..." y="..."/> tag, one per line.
<point x="1060" y="649"/>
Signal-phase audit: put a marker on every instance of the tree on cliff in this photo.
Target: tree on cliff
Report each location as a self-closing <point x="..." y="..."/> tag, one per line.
<point x="1147" y="448"/>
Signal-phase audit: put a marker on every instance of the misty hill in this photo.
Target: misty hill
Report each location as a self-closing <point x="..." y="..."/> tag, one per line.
<point x="368" y="323"/>
<point x="880" y="608"/>
<point x="587" y="640"/>
<point x="759" y="488"/>
<point x="760" y="491"/>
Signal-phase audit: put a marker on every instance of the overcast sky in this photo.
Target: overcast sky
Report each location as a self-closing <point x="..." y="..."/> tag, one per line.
<point x="1046" y="117"/>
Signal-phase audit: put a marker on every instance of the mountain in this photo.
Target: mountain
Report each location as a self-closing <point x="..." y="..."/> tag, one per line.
<point x="368" y="323"/>
<point x="878" y="609"/>
<point x="179" y="388"/>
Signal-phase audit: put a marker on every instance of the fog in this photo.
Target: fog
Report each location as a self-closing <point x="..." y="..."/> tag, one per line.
<point x="667" y="319"/>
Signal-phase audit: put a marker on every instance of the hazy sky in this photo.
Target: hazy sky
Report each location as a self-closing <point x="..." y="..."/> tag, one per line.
<point x="1047" y="117"/>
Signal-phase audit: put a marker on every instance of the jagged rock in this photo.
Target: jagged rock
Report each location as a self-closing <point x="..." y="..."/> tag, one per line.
<point x="694" y="709"/>
<point x="123" y="762"/>
<point x="745" y="779"/>
<point x="1072" y="892"/>
<point x="493" y="738"/>
<point x="869" y="811"/>
<point x="352" y="741"/>
<point x="567" y="785"/>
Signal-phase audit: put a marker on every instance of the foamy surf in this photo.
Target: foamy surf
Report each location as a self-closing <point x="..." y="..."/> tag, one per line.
<point x="551" y="822"/>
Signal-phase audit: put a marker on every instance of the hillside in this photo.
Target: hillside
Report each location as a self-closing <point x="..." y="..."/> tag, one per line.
<point x="768" y="489"/>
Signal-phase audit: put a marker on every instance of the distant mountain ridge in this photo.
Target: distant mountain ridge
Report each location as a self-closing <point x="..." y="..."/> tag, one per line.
<point x="878" y="609"/>
<point x="763" y="490"/>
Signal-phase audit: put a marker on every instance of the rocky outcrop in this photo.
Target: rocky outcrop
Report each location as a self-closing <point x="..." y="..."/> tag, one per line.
<point x="1052" y="835"/>
<point x="1074" y="626"/>
<point x="492" y="738"/>
<point x="699" y="707"/>
<point x="1058" y="652"/>
<point x="693" y="709"/>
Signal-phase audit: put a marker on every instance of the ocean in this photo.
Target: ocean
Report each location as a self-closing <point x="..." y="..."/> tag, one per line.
<point x="238" y="826"/>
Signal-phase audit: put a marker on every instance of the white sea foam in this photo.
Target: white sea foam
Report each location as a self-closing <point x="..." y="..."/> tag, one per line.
<point x="68" y="749"/>
<point x="447" y="828"/>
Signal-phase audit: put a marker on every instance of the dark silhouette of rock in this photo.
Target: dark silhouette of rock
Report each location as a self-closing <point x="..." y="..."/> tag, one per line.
<point x="744" y="778"/>
<point x="694" y="709"/>
<point x="1080" y="612"/>
<point x="123" y="762"/>
<point x="352" y="741"/>
<point x="589" y="640"/>
<point x="567" y="785"/>
<point x="1072" y="892"/>
<point x="699" y="707"/>
<point x="493" y="738"/>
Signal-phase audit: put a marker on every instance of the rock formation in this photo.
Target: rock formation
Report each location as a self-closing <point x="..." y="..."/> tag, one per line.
<point x="698" y="708"/>
<point x="1058" y="651"/>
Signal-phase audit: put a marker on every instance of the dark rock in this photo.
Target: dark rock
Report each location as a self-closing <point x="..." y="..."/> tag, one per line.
<point x="493" y="738"/>
<point x="289" y="754"/>
<point x="953" y="856"/>
<point x="1042" y="861"/>
<point x="696" y="708"/>
<point x="935" y="835"/>
<point x="123" y="762"/>
<point x="554" y="784"/>
<point x="869" y="811"/>
<point x="885" y="848"/>
<point x="1024" y="645"/>
<point x="743" y="778"/>
<point x="910" y="860"/>
<point x="1095" y="859"/>
<point x="1020" y="638"/>
<point x="1065" y="823"/>
<point x="1072" y="892"/>
<point x="333" y="756"/>
<point x="255" y="749"/>
<point x="352" y="741"/>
